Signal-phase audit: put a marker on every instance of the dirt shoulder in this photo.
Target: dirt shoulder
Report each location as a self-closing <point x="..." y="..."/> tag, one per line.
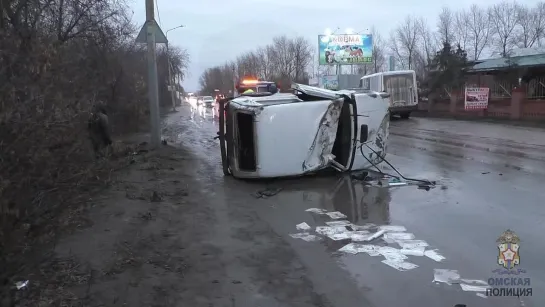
<point x="162" y="236"/>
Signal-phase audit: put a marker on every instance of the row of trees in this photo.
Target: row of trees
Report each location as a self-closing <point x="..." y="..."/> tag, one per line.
<point x="480" y="31"/>
<point x="286" y="60"/>
<point x="477" y="31"/>
<point x="57" y="58"/>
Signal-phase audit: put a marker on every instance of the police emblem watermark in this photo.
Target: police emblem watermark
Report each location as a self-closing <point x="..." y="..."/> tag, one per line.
<point x="509" y="279"/>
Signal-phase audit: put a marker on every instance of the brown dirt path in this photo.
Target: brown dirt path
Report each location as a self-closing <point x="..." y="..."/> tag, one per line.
<point x="161" y="237"/>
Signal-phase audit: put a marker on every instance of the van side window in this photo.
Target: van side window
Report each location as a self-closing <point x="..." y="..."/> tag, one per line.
<point x="365" y="84"/>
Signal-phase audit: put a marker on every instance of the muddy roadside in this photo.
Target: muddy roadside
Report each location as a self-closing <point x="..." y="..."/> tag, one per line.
<point x="160" y="236"/>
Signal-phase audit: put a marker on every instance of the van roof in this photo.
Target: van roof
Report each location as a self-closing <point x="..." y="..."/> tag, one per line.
<point x="390" y="73"/>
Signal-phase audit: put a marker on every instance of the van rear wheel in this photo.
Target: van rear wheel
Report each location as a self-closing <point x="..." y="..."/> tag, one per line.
<point x="405" y="115"/>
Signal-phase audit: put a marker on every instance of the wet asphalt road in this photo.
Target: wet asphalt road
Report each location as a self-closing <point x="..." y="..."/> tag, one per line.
<point x="489" y="179"/>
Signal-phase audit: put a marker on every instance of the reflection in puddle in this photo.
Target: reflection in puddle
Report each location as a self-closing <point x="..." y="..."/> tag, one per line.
<point x="360" y="202"/>
<point x="354" y="220"/>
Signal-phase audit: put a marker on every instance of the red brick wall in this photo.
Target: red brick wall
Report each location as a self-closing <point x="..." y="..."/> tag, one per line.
<point x="497" y="108"/>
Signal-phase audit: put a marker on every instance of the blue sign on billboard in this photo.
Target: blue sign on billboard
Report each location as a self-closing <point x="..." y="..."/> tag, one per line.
<point x="345" y="49"/>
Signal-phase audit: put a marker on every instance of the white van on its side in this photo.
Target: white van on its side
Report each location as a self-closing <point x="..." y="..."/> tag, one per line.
<point x="402" y="87"/>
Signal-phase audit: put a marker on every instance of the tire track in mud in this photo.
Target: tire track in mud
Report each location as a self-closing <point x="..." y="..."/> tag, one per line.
<point x="258" y="267"/>
<point x="493" y="152"/>
<point x="496" y="147"/>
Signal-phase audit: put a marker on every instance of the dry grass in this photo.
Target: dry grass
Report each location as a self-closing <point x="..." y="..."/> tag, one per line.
<point x="56" y="61"/>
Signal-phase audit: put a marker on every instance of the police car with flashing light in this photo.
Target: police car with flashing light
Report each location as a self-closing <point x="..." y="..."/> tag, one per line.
<point x="248" y="86"/>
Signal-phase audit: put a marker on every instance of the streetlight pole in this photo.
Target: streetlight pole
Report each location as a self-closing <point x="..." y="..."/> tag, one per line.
<point x="170" y="81"/>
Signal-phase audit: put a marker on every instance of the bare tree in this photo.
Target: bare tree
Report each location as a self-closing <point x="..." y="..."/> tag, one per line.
<point x="301" y="51"/>
<point x="248" y="64"/>
<point x="504" y="19"/>
<point x="266" y="57"/>
<point x="284" y="61"/>
<point x="379" y="51"/>
<point x="479" y="27"/>
<point x="530" y="25"/>
<point x="404" y="42"/>
<point x="378" y="63"/>
<point x="428" y="41"/>
<point x="446" y="25"/>
<point x="461" y="29"/>
<point x="426" y="48"/>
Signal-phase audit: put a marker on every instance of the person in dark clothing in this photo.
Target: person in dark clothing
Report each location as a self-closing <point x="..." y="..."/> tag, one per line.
<point x="99" y="129"/>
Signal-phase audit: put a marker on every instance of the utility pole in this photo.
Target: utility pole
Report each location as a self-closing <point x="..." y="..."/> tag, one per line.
<point x="153" y="89"/>
<point x="151" y="34"/>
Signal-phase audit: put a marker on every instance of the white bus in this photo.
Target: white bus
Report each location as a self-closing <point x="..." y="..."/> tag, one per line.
<point x="402" y="87"/>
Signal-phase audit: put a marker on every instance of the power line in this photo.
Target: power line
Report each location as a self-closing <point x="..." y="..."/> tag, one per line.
<point x="158" y="13"/>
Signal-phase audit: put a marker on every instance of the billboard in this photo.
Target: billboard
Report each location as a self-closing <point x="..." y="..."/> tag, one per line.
<point x="329" y="82"/>
<point x="345" y="49"/>
<point x="476" y="98"/>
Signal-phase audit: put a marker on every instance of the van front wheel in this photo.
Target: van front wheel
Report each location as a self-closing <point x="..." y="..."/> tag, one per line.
<point x="405" y="115"/>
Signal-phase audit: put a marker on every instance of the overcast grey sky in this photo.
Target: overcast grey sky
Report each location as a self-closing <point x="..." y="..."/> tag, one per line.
<point x="217" y="31"/>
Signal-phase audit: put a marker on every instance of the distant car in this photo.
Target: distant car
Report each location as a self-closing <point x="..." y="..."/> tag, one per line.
<point x="208" y="101"/>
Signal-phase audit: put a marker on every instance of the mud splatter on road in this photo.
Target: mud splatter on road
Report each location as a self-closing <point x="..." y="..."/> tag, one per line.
<point x="206" y="240"/>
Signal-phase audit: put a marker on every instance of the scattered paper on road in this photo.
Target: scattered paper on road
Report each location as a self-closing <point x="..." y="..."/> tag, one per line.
<point x="376" y="235"/>
<point x="305" y="236"/>
<point x="392" y="254"/>
<point x="335" y="215"/>
<point x="417" y="251"/>
<point x="363" y="227"/>
<point x="302" y="226"/>
<point x="328" y="230"/>
<point x="342" y="229"/>
<point x="360" y="236"/>
<point x="21" y="284"/>
<point x="316" y="210"/>
<point x="395" y="236"/>
<point x="433" y="254"/>
<point x="393" y="228"/>
<point x="338" y="223"/>
<point x="446" y="276"/>
<point x="474" y="288"/>
<point x="412" y="244"/>
<point x="474" y="281"/>
<point x="339" y="236"/>
<point x="356" y="248"/>
<point x="400" y="266"/>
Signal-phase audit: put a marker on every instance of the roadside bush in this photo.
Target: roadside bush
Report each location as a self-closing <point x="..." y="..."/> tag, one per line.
<point x="57" y="59"/>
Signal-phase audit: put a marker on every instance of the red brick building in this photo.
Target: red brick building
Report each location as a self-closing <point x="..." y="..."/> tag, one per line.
<point x="517" y="90"/>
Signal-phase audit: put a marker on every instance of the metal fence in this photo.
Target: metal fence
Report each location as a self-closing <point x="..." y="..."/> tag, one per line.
<point x="499" y="88"/>
<point x="536" y="88"/>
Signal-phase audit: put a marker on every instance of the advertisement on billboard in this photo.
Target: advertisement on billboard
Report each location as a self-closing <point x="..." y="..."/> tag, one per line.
<point x="476" y="98"/>
<point x="345" y="49"/>
<point x="329" y="82"/>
